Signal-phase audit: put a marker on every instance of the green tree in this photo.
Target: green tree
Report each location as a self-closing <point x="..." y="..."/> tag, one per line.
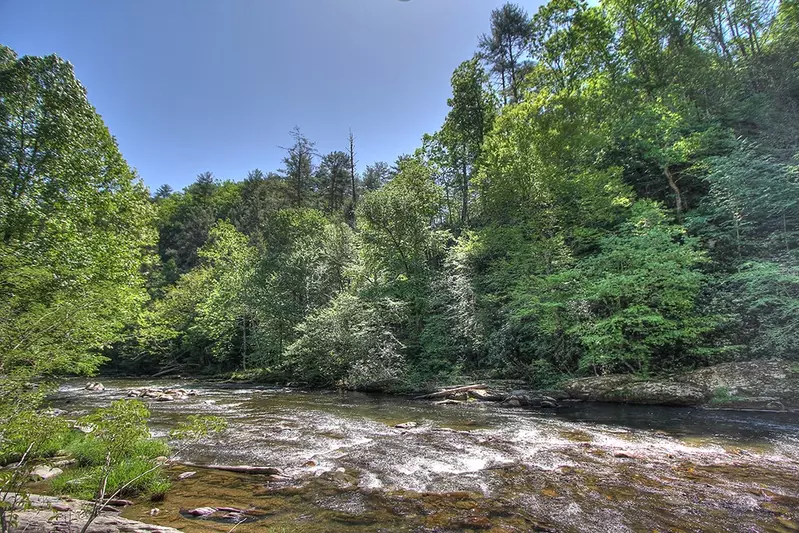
<point x="299" y="167"/>
<point x="506" y="47"/>
<point x="75" y="223"/>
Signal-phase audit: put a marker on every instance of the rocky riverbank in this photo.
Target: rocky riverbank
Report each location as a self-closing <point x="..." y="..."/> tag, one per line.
<point x="769" y="385"/>
<point x="67" y="515"/>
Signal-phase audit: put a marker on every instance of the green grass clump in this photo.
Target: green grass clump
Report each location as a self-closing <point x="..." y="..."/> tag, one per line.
<point x="90" y="451"/>
<point x="84" y="482"/>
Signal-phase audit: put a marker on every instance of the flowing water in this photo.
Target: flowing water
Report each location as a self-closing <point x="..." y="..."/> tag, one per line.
<point x="475" y="467"/>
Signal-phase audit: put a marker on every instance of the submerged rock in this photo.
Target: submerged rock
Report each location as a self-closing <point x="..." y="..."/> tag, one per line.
<point x="406" y="425"/>
<point x="47" y="513"/>
<point x="162" y="394"/>
<point x="201" y="511"/>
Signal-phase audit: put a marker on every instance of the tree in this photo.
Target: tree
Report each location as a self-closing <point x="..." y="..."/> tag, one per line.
<point x="504" y="49"/>
<point x="260" y="197"/>
<point x="469" y="120"/>
<point x="163" y="192"/>
<point x="632" y="306"/>
<point x="395" y="221"/>
<point x="333" y="179"/>
<point x="185" y="220"/>
<point x="376" y="175"/>
<point x="299" y="167"/>
<point x="353" y="184"/>
<point x="351" y="343"/>
<point x="75" y="224"/>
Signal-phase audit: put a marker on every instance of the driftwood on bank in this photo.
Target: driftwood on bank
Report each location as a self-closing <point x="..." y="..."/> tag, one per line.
<point x="57" y="515"/>
<point x="443" y="393"/>
<point x="242" y="469"/>
<point x="166" y="372"/>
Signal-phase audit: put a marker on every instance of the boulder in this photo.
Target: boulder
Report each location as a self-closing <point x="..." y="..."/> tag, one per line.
<point x="94" y="387"/>
<point x="549" y="402"/>
<point x="45" y="472"/>
<point x="775" y="406"/>
<point x="766" y="384"/>
<point x="777" y="379"/>
<point x="406" y="425"/>
<point x="631" y="389"/>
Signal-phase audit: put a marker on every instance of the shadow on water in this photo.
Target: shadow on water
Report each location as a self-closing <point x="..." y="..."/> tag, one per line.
<point x="477" y="467"/>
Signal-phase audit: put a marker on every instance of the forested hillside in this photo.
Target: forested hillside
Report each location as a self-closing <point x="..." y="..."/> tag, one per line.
<point x="615" y="189"/>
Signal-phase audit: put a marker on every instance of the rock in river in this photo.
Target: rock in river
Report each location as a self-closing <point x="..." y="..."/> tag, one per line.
<point x="769" y="383"/>
<point x="201" y="511"/>
<point x="45" y="472"/>
<point x="631" y="389"/>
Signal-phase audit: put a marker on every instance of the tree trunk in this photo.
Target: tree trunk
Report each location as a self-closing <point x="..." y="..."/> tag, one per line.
<point x="675" y="188"/>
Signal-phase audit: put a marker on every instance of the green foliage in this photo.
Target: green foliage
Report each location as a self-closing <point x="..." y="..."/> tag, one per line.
<point x="349" y="343"/>
<point x="395" y="223"/>
<point x="722" y="395"/>
<point x="117" y="430"/>
<point x="632" y="207"/>
<point x="137" y="474"/>
<point x="119" y="450"/>
<point x="767" y="295"/>
<point x="635" y="302"/>
<point x="74" y="224"/>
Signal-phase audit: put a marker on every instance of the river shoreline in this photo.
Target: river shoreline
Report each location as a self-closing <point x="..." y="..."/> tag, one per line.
<point x="758" y="386"/>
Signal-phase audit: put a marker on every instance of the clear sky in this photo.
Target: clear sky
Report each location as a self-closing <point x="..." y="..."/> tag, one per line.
<point x="193" y="85"/>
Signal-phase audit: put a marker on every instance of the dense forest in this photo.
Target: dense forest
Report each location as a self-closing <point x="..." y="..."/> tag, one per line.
<point x="614" y="189"/>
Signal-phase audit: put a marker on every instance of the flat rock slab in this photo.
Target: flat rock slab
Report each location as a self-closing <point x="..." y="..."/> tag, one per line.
<point x="770" y="384"/>
<point x="630" y="389"/>
<point x="56" y="515"/>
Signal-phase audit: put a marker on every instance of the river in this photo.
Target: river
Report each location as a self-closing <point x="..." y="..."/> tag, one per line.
<point x="476" y="467"/>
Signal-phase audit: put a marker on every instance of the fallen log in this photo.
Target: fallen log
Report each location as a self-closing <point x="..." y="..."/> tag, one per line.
<point x="166" y="372"/>
<point x="443" y="393"/>
<point x="241" y="469"/>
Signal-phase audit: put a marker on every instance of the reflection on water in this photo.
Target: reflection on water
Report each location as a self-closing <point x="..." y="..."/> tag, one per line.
<point x="584" y="467"/>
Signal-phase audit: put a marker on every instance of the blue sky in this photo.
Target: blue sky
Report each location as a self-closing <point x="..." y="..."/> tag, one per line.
<point x="193" y="85"/>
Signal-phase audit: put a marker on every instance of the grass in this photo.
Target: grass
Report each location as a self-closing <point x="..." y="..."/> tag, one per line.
<point x="84" y="482"/>
<point x="89" y="451"/>
<point x="59" y="438"/>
